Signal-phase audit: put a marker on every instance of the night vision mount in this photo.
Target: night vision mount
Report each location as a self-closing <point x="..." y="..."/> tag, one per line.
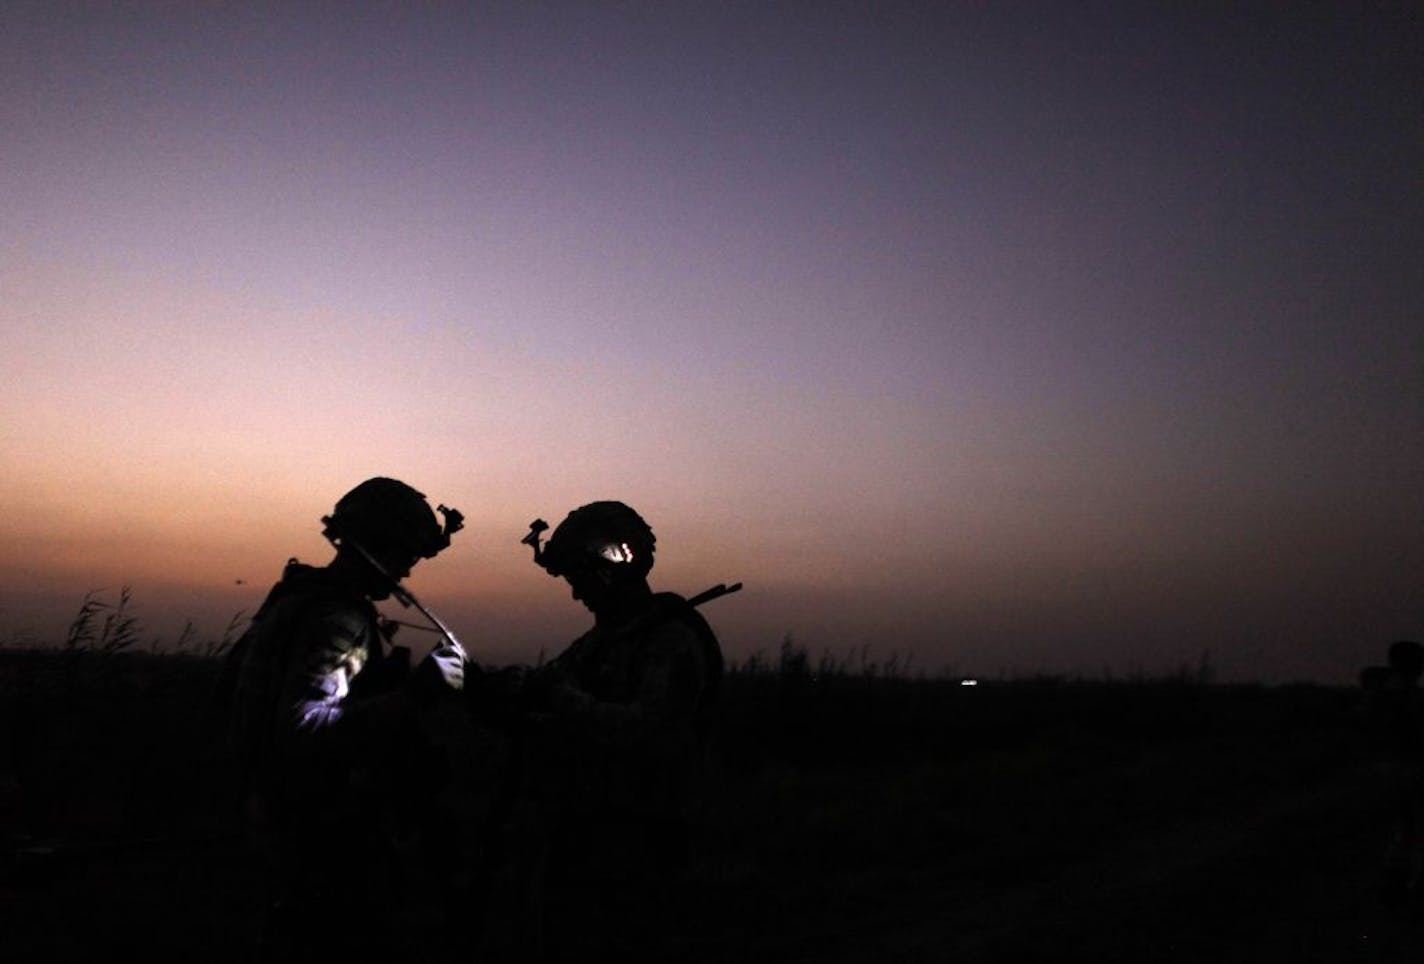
<point x="454" y="521"/>
<point x="536" y="528"/>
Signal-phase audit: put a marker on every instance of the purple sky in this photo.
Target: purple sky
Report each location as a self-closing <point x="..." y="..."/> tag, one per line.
<point x="1032" y="337"/>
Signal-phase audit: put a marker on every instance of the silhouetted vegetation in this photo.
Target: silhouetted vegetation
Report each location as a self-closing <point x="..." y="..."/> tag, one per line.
<point x="857" y="801"/>
<point x="102" y="627"/>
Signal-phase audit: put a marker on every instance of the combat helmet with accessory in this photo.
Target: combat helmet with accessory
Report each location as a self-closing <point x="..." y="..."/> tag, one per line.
<point x="606" y="535"/>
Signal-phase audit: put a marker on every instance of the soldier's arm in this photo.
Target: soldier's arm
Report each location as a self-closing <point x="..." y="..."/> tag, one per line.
<point x="666" y="691"/>
<point x="332" y="643"/>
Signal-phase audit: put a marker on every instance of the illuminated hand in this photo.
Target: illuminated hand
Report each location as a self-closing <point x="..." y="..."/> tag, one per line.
<point x="447" y="663"/>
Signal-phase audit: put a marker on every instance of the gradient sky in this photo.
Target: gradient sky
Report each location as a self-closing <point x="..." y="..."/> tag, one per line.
<point x="1002" y="337"/>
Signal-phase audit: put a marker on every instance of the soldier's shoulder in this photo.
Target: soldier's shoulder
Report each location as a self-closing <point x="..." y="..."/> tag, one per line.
<point x="354" y="619"/>
<point x="316" y="607"/>
<point x="680" y="628"/>
<point x="675" y="632"/>
<point x="671" y="605"/>
<point x="674" y="609"/>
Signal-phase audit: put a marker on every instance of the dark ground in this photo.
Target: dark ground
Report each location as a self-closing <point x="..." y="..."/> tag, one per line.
<point x="856" y="818"/>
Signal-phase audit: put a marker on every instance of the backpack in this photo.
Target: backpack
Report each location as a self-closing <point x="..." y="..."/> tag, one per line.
<point x="671" y="606"/>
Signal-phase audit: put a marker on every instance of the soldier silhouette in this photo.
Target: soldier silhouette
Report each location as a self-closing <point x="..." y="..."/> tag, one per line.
<point x="321" y="722"/>
<point x="624" y="716"/>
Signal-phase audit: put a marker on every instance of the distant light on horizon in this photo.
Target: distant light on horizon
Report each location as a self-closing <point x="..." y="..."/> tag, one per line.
<point x="969" y="682"/>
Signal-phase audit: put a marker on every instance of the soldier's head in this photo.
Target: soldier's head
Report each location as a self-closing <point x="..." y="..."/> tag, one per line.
<point x="605" y="551"/>
<point x="382" y="528"/>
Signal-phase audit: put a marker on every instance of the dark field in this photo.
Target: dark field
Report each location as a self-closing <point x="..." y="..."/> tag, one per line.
<point x="855" y="817"/>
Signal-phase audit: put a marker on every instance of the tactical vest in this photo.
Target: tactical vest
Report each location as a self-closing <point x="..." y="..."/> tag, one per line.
<point x="259" y="661"/>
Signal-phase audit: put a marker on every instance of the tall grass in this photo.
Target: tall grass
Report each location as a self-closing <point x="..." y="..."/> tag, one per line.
<point x="103" y="627"/>
<point x="793" y="662"/>
<point x="109" y="628"/>
<point x="853" y="793"/>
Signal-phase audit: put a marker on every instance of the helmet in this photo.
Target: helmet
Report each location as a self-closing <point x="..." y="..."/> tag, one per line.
<point x="387" y="515"/>
<point x="607" y="534"/>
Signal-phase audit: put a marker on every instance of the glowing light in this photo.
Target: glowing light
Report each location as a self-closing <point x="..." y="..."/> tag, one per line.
<point x="617" y="553"/>
<point x="969" y="682"/>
